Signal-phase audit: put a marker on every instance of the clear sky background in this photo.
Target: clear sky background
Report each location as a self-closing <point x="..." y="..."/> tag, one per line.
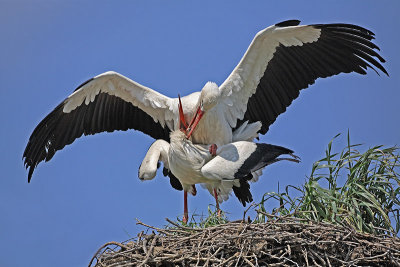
<point x="89" y="192"/>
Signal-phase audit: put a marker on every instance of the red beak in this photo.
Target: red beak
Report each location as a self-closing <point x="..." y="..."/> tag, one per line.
<point x="195" y="121"/>
<point x="182" y="122"/>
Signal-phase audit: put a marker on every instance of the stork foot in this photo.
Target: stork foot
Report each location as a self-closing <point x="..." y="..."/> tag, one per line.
<point x="185" y="218"/>
<point x="219" y="212"/>
<point x="213" y="150"/>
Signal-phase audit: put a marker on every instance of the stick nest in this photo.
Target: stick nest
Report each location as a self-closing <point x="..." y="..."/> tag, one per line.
<point x="280" y="242"/>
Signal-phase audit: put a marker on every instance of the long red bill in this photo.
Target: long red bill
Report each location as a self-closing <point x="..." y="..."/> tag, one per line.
<point x="195" y="121"/>
<point x="182" y="121"/>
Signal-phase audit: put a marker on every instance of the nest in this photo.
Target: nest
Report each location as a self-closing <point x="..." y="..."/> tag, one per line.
<point x="279" y="242"/>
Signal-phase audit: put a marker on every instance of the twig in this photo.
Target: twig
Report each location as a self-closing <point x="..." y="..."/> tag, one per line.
<point x="244" y="213"/>
<point x="249" y="262"/>
<point x="150" y="251"/>
<point x="182" y="227"/>
<point x="106" y="245"/>
<point x="283" y="241"/>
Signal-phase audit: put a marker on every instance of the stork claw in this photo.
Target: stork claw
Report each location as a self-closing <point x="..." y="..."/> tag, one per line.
<point x="219" y="212"/>
<point x="185" y="219"/>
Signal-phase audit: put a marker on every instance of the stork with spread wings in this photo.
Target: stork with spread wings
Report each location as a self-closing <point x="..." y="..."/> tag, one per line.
<point x="280" y="61"/>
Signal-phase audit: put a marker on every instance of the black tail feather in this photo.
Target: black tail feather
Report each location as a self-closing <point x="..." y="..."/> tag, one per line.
<point x="264" y="155"/>
<point x="243" y="192"/>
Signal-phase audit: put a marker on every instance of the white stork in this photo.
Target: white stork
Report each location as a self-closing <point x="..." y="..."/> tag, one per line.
<point x="280" y="61"/>
<point x="221" y="170"/>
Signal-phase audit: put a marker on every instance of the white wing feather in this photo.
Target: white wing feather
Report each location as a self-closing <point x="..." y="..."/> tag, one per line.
<point x="160" y="107"/>
<point x="243" y="81"/>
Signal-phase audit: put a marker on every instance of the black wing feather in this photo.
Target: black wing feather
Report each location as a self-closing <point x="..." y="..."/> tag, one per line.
<point x="106" y="113"/>
<point x="341" y="48"/>
<point x="172" y="179"/>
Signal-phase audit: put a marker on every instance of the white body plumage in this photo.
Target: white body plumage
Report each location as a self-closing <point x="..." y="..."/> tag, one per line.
<point x="193" y="164"/>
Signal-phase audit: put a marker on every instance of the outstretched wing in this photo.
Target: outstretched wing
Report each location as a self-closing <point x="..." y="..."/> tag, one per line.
<point x="285" y="58"/>
<point x="107" y="102"/>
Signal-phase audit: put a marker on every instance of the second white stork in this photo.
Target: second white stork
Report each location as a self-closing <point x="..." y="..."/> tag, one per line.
<point x="280" y="61"/>
<point x="230" y="168"/>
<point x="220" y="170"/>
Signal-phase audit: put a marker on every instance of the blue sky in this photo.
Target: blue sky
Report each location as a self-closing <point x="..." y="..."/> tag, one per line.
<point x="89" y="192"/>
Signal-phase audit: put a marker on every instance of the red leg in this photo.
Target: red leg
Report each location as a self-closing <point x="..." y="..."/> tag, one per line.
<point x="216" y="201"/>
<point x="213" y="149"/>
<point x="185" y="218"/>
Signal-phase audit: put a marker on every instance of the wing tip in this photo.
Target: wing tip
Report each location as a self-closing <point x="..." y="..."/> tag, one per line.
<point x="288" y="23"/>
<point x="30" y="173"/>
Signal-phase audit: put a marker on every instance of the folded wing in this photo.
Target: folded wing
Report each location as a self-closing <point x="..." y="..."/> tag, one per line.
<point x="242" y="161"/>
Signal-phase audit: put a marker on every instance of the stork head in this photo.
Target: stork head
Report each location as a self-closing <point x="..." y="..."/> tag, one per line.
<point x="208" y="96"/>
<point x="207" y="100"/>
